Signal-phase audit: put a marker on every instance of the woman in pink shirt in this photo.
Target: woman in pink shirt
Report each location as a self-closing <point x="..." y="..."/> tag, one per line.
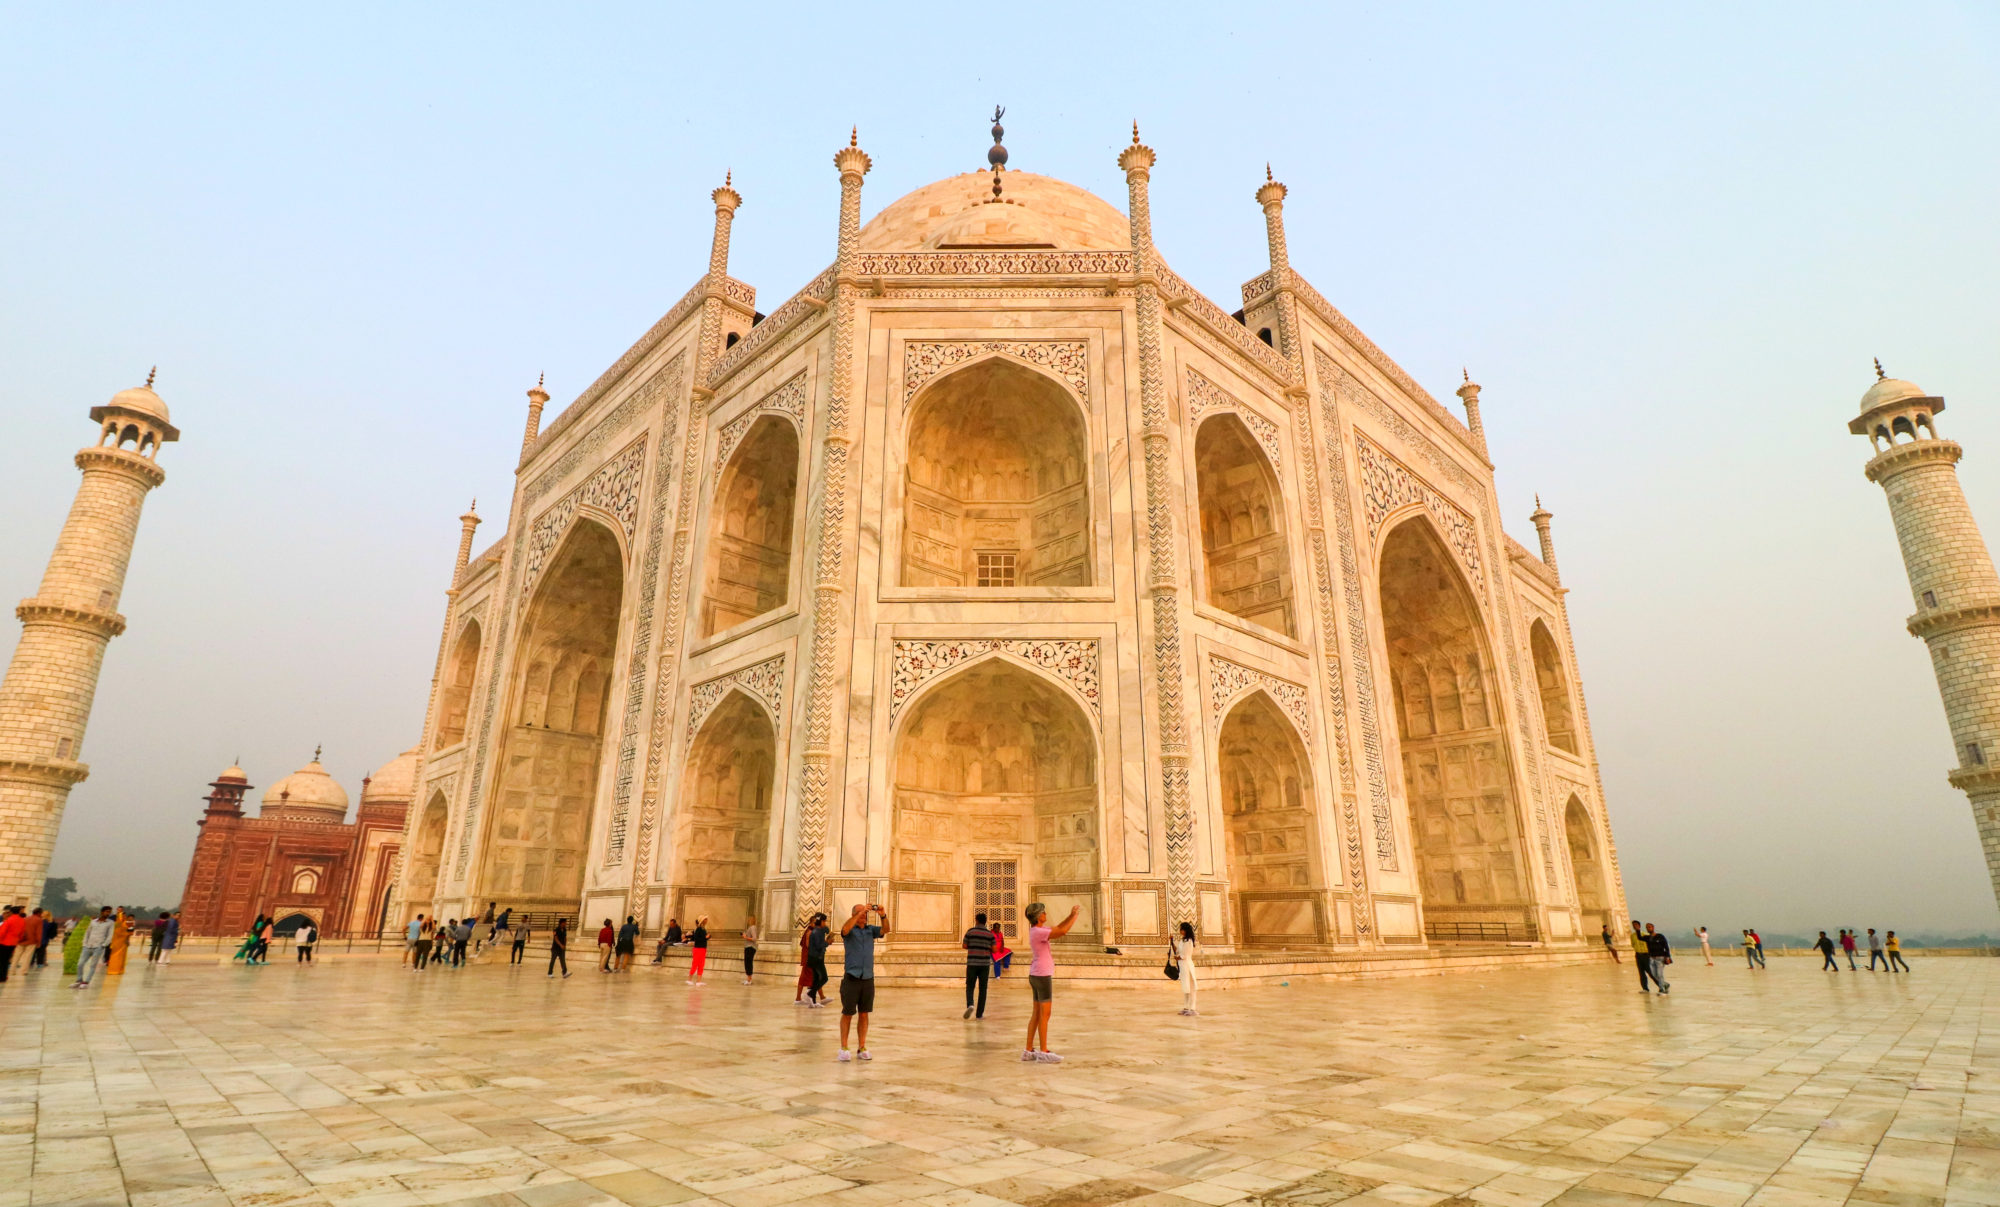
<point x="1041" y="977"/>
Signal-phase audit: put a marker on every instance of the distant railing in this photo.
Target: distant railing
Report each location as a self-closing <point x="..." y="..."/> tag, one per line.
<point x="1481" y="932"/>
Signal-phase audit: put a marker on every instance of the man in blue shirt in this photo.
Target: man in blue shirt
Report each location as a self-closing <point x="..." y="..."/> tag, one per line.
<point x="857" y="981"/>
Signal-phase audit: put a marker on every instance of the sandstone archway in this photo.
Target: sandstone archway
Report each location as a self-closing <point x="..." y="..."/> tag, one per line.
<point x="1247" y="561"/>
<point x="426" y="853"/>
<point x="750" y="527"/>
<point x="1558" y="716"/>
<point x="455" y="700"/>
<point x="1267" y="808"/>
<point x="996" y="795"/>
<point x="1457" y="772"/>
<point x="1592" y="897"/>
<point x="996" y="482"/>
<point x="723" y="831"/>
<point x="539" y="827"/>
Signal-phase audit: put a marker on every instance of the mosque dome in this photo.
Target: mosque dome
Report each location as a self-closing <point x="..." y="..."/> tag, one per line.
<point x="1034" y="211"/>
<point x="308" y="794"/>
<point x="396" y="781"/>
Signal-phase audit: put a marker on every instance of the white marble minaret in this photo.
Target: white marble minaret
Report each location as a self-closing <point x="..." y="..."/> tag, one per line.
<point x="46" y="697"/>
<point x="1952" y="581"/>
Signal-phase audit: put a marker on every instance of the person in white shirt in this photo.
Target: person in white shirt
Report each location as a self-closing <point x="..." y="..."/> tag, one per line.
<point x="96" y="942"/>
<point x="1701" y="932"/>
<point x="1184" y="945"/>
<point x="749" y="949"/>
<point x="307" y="936"/>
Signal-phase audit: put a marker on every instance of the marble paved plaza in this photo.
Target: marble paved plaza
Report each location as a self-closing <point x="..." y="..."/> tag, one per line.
<point x="363" y="1083"/>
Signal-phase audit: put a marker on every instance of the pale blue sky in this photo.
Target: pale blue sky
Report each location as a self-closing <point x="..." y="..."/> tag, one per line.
<point x="1667" y="244"/>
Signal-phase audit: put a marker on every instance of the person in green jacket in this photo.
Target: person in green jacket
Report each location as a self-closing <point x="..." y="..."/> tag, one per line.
<point x="73" y="948"/>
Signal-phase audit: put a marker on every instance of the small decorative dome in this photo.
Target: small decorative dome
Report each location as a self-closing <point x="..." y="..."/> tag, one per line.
<point x="1036" y="211"/>
<point x="396" y="781"/>
<point x="141" y="400"/>
<point x="233" y="772"/>
<point x="308" y="793"/>
<point x="1889" y="389"/>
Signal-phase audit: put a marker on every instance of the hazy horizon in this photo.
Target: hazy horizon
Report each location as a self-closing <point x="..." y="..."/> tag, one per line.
<point x="1667" y="244"/>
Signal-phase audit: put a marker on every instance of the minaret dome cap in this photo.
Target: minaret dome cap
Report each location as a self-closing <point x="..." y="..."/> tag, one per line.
<point x="141" y="403"/>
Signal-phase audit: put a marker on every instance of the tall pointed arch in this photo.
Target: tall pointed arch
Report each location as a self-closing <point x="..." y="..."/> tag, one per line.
<point x="1268" y="820"/>
<point x="1558" y="715"/>
<point x="750" y="527"/>
<point x="455" y="698"/>
<point x="722" y="830"/>
<point x="1245" y="556"/>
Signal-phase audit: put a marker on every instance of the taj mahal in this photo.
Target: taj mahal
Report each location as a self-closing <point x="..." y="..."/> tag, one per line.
<point x="995" y="565"/>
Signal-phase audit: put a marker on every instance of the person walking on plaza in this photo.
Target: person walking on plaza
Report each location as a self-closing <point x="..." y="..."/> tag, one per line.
<point x="420" y="942"/>
<point x="460" y="936"/>
<point x="519" y="931"/>
<point x="1824" y="946"/>
<point x="1662" y="955"/>
<point x="1184" y="945"/>
<point x="628" y="943"/>
<point x="1610" y="944"/>
<point x="412" y="932"/>
<point x="247" y="950"/>
<point x="1895" y="947"/>
<point x="698" y="942"/>
<point x="1002" y="956"/>
<point x="607" y="944"/>
<point x="978" y="945"/>
<point x="1847" y="945"/>
<point x="1757" y="947"/>
<point x="96" y="945"/>
<point x="1875" y="951"/>
<point x="40" y="931"/>
<point x="306" y="938"/>
<point x="264" y="934"/>
<point x="817" y="938"/>
<point x="857" y="980"/>
<point x="1701" y="932"/>
<point x="1042" y="977"/>
<point x="486" y="923"/>
<point x="13" y="928"/>
<point x="171" y="939"/>
<point x="73" y="931"/>
<point x="153" y="945"/>
<point x="749" y="948"/>
<point x="805" y="968"/>
<point x="559" y="948"/>
<point x="1642" y="956"/>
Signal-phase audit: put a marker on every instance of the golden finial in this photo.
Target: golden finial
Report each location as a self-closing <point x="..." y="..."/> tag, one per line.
<point x="1135" y="131"/>
<point x="1267" y="173"/>
<point x="1468" y="375"/>
<point x="316" y="751"/>
<point x="1879" y="374"/>
<point x="727" y="175"/>
<point x="540" y="378"/>
<point x="854" y="137"/>
<point x="475" y="505"/>
<point x="154" y="371"/>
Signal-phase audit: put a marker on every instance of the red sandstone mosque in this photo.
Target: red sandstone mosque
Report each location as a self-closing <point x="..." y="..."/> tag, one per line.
<point x="299" y="858"/>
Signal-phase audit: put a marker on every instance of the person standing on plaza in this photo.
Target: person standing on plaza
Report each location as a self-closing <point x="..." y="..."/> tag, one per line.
<point x="460" y="936"/>
<point x="805" y="965"/>
<point x="74" y="930"/>
<point x="628" y="943"/>
<point x="1642" y="957"/>
<point x="978" y="945"/>
<point x="13" y="928"/>
<point x="121" y="943"/>
<point x="1824" y="946"/>
<point x="1847" y="945"/>
<point x="1610" y="944"/>
<point x="607" y="945"/>
<point x="698" y="945"/>
<point x="486" y="923"/>
<point x="412" y="932"/>
<point x="159" y="932"/>
<point x="817" y="938"/>
<point x="171" y="939"/>
<point x="1042" y="977"/>
<point x="264" y="934"/>
<point x="559" y="948"/>
<point x="749" y="949"/>
<point x="857" y="980"/>
<point x="1184" y="945"/>
<point x="306" y="938"/>
<point x="96" y="945"/>
<point x="37" y="937"/>
<point x="1701" y="932"/>
<point x="1002" y="957"/>
<point x="519" y="931"/>
<point x="1875" y="950"/>
<point x="1895" y="947"/>
<point x="1662" y="955"/>
<point x="420" y="943"/>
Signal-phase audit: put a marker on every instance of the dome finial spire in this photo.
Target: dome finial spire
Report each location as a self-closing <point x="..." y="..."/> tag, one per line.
<point x="997" y="153"/>
<point x="155" y="371"/>
<point x="1879" y="374"/>
<point x="854" y="137"/>
<point x="316" y="750"/>
<point x="1135" y="131"/>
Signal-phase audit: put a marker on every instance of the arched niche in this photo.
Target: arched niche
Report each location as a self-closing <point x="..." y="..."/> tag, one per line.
<point x="723" y="832"/>
<point x="553" y="744"/>
<point x="455" y="700"/>
<point x="427" y="851"/>
<point x="1457" y="771"/>
<point x="1592" y="895"/>
<point x="996" y="482"/>
<point x="996" y="794"/>
<point x="750" y="527"/>
<point x="1557" y="715"/>
<point x="1248" y="564"/>
<point x="1267" y="813"/>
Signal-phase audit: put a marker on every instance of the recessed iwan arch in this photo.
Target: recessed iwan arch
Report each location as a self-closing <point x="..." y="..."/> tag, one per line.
<point x="996" y="490"/>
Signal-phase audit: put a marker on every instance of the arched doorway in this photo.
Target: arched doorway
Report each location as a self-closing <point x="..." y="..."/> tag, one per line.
<point x="995" y="802"/>
<point x="750" y="528"/>
<point x="1557" y="715"/>
<point x="1242" y="525"/>
<point x="426" y="853"/>
<point x="1457" y="772"/>
<point x="455" y="700"/>
<point x="291" y="924"/>
<point x="1267" y="809"/>
<point x="723" y="832"/>
<point x="1591" y="896"/>
<point x="996" y="490"/>
<point x="539" y="828"/>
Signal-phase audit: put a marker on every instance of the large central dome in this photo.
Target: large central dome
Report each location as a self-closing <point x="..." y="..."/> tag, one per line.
<point x="1033" y="212"/>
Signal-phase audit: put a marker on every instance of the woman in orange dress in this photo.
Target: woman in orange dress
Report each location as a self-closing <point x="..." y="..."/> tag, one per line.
<point x="121" y="938"/>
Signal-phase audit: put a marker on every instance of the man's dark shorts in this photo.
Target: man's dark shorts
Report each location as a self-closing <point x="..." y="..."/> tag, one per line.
<point x="857" y="994"/>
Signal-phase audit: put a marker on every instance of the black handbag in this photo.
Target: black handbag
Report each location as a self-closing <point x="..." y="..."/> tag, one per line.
<point x="1173" y="969"/>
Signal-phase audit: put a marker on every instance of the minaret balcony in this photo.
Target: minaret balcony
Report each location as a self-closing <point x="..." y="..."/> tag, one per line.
<point x="90" y="620"/>
<point x="1976" y="780"/>
<point x="55" y="773"/>
<point x="1902" y="456"/>
<point x="1932" y="622"/>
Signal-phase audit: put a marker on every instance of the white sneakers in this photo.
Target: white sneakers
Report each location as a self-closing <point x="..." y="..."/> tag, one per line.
<point x="863" y="1055"/>
<point x="845" y="1055"/>
<point x="1028" y="1056"/>
<point x="1048" y="1058"/>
